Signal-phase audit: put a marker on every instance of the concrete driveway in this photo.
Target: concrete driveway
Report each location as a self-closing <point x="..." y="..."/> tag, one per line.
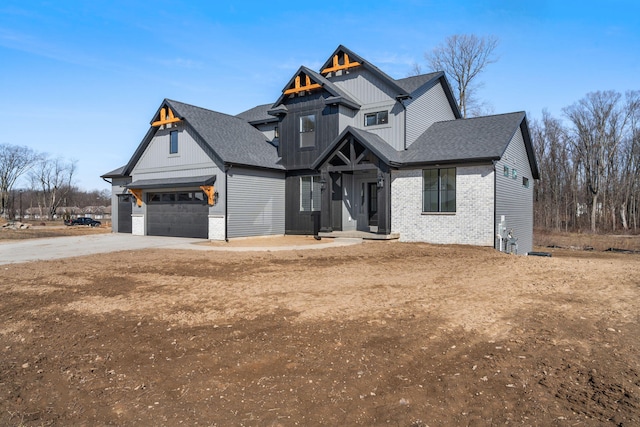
<point x="66" y="247"/>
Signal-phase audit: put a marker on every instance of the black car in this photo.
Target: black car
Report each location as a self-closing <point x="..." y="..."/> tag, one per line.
<point x="83" y="221"/>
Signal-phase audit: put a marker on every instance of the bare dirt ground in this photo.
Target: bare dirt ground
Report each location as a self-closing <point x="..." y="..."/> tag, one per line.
<point x="382" y="333"/>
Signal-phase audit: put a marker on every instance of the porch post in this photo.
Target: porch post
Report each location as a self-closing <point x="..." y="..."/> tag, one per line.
<point x="325" y="203"/>
<point x="384" y="201"/>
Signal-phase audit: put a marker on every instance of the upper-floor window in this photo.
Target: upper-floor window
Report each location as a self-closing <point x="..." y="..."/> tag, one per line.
<point x="439" y="190"/>
<point x="276" y="132"/>
<point x="173" y="142"/>
<point x="525" y="182"/>
<point x="308" y="131"/>
<point x="377" y="118"/>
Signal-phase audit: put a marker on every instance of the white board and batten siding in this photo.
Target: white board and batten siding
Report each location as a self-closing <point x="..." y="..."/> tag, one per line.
<point x="428" y="106"/>
<point x="513" y="199"/>
<point x="255" y="205"/>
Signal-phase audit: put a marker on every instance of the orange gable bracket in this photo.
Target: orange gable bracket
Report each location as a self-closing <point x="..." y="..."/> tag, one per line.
<point x="165" y="118"/>
<point x="137" y="193"/>
<point x="210" y="191"/>
<point x="297" y="88"/>
<point x="337" y="67"/>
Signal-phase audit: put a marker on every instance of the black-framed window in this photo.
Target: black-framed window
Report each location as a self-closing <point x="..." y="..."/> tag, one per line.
<point x="310" y="193"/>
<point x="525" y="182"/>
<point x="276" y="132"/>
<point x="176" y="197"/>
<point x="308" y="131"/>
<point x="439" y="190"/>
<point x="173" y="142"/>
<point x="377" y="118"/>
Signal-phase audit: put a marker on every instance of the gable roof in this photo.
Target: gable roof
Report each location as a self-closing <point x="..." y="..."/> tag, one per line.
<point x="411" y="84"/>
<point x="399" y="90"/>
<point x="338" y="96"/>
<point x="477" y="139"/>
<point x="373" y="142"/>
<point x="257" y="115"/>
<point x="231" y="139"/>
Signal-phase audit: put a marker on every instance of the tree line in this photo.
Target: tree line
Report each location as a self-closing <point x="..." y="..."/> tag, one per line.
<point x="47" y="183"/>
<point x="590" y="164"/>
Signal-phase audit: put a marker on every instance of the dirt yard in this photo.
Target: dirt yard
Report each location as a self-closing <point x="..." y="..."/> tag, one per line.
<point x="381" y="333"/>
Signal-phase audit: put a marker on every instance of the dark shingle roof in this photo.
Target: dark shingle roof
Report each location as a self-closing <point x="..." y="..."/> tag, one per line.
<point x="116" y="173"/>
<point x="480" y="138"/>
<point x="410" y="84"/>
<point x="257" y="115"/>
<point x="231" y="138"/>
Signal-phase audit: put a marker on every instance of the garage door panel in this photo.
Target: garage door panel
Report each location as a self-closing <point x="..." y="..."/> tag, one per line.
<point x="178" y="220"/>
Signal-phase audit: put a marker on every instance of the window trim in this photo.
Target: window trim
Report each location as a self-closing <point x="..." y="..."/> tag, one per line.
<point x="314" y="182"/>
<point x="439" y="192"/>
<point x="301" y="131"/>
<point x="378" y="120"/>
<point x="173" y="145"/>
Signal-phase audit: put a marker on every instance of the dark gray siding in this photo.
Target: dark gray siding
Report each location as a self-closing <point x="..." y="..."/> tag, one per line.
<point x="294" y="157"/>
<point x="513" y="200"/>
<point x="298" y="222"/>
<point x="255" y="205"/>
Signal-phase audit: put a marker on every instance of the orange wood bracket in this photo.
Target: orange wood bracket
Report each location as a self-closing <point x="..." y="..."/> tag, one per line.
<point x="297" y="88"/>
<point x="166" y="117"/>
<point x="337" y="66"/>
<point x="210" y="191"/>
<point x="137" y="193"/>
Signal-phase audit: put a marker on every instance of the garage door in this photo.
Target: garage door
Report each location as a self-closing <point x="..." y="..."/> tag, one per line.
<point x="124" y="213"/>
<point x="177" y="214"/>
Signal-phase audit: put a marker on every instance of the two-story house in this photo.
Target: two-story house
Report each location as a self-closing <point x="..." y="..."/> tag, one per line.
<point x="343" y="148"/>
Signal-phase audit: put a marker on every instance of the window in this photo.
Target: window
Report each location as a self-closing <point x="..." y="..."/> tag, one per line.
<point x="525" y="182"/>
<point x="308" y="131"/>
<point x="173" y="142"/>
<point x="506" y="171"/>
<point x="439" y="190"/>
<point x="378" y="118"/>
<point x="276" y="132"/>
<point x="181" y="197"/>
<point x="310" y="190"/>
<point x="514" y="174"/>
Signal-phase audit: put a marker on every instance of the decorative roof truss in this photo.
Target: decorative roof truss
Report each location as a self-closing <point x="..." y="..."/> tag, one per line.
<point x="166" y="117"/>
<point x="351" y="155"/>
<point x="297" y="87"/>
<point x="337" y="66"/>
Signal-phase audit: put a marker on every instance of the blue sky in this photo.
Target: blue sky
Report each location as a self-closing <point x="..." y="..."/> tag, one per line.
<point x="82" y="79"/>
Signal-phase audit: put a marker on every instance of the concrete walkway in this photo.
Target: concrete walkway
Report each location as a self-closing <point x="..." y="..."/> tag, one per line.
<point x="66" y="247"/>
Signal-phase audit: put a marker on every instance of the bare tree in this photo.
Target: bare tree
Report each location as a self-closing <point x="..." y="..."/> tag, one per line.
<point x="599" y="123"/>
<point x="463" y="57"/>
<point x="51" y="180"/>
<point x="15" y="160"/>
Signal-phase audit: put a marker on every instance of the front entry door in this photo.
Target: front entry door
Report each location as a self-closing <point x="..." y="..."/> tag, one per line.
<point x="373" y="204"/>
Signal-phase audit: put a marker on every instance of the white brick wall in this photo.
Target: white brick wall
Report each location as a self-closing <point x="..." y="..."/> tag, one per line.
<point x="472" y="223"/>
<point x="137" y="225"/>
<point x="216" y="227"/>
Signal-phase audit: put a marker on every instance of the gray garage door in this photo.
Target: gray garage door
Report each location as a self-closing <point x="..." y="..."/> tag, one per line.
<point x="124" y="213"/>
<point x="177" y="214"/>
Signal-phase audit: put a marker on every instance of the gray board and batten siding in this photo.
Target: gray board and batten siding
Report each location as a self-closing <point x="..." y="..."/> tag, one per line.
<point x="513" y="199"/>
<point x="256" y="200"/>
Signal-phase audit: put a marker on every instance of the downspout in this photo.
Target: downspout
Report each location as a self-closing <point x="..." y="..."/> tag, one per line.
<point x="495" y="210"/>
<point x="226" y="202"/>
<point x="404" y="107"/>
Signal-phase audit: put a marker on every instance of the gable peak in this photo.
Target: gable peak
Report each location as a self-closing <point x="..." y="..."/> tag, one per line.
<point x="340" y="61"/>
<point x="302" y="82"/>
